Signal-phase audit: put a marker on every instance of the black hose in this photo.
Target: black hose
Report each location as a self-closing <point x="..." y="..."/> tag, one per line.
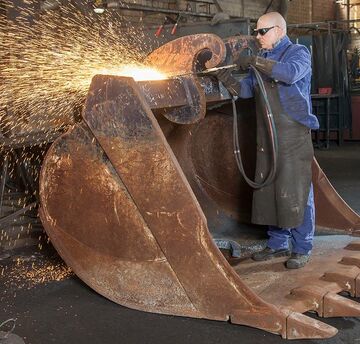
<point x="268" y="6"/>
<point x="269" y="119"/>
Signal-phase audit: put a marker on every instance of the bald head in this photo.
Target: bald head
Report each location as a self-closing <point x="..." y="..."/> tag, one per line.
<point x="273" y="19"/>
<point x="275" y="29"/>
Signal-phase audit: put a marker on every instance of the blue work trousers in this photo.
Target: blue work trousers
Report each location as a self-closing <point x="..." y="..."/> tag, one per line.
<point x="301" y="237"/>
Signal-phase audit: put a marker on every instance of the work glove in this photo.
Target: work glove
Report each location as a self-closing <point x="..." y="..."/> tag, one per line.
<point x="244" y="62"/>
<point x="262" y="64"/>
<point x="229" y="82"/>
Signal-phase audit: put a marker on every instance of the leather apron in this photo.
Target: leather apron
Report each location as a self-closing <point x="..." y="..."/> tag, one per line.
<point x="283" y="202"/>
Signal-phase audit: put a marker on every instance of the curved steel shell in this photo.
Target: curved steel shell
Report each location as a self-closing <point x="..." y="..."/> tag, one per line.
<point x="128" y="197"/>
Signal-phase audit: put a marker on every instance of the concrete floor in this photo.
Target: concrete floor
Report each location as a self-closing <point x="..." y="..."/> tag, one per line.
<point x="67" y="311"/>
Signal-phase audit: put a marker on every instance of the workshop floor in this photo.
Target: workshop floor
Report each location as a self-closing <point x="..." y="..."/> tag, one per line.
<point x="53" y="306"/>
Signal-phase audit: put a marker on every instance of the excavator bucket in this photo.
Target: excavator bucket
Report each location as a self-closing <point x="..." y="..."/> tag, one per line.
<point x="134" y="195"/>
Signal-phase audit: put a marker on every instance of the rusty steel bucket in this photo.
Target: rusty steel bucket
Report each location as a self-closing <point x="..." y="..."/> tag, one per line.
<point x="133" y="195"/>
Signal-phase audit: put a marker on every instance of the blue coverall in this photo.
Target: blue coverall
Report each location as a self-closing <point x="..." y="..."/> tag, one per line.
<point x="294" y="76"/>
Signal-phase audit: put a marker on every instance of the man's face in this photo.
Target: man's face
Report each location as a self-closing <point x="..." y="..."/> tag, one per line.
<point x="268" y="39"/>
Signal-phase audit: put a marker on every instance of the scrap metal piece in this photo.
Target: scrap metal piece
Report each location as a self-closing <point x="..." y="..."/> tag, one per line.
<point x="10" y="338"/>
<point x="230" y="245"/>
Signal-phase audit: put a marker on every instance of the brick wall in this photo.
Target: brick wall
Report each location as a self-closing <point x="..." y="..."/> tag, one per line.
<point x="248" y="8"/>
<point x="307" y="11"/>
<point x="323" y="10"/>
<point x="354" y="42"/>
<point x="355" y="37"/>
<point x="299" y="11"/>
<point x="354" y="14"/>
<point x="254" y="9"/>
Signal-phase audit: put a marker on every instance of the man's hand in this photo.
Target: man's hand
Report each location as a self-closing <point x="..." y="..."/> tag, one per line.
<point x="230" y="83"/>
<point x="262" y="64"/>
<point x="244" y="62"/>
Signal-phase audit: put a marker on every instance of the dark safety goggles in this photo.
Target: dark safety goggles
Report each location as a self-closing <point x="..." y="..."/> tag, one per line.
<point x="264" y="30"/>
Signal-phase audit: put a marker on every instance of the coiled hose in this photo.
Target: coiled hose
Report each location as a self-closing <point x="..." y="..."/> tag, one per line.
<point x="271" y="128"/>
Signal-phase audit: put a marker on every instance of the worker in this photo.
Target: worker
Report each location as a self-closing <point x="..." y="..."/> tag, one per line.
<point x="286" y="205"/>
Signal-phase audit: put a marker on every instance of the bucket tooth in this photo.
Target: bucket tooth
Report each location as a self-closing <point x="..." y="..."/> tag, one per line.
<point x="351" y="260"/>
<point x="346" y="278"/>
<point x="335" y="305"/>
<point x="353" y="246"/>
<point x="311" y="298"/>
<point x="326" y="304"/>
<point x="300" y="326"/>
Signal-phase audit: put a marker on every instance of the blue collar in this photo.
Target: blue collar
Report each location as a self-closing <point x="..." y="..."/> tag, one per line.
<point x="278" y="46"/>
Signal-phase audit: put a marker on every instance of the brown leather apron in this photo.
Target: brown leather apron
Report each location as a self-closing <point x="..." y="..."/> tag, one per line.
<point x="282" y="203"/>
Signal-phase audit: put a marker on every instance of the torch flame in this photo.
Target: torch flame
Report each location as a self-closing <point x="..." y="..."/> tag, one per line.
<point x="138" y="72"/>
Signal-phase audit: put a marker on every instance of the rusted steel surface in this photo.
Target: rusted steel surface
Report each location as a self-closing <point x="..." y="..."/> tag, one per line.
<point x="210" y="167"/>
<point x="182" y="99"/>
<point x="180" y="91"/>
<point x="132" y="246"/>
<point x="334" y="267"/>
<point x="133" y="167"/>
<point x="331" y="210"/>
<point x="147" y="166"/>
<point x="180" y="55"/>
<point x="128" y="198"/>
<point x="98" y="229"/>
<point x="214" y="177"/>
<point x="240" y="45"/>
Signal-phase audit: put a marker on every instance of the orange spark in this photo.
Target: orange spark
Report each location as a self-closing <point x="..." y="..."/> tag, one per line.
<point x="138" y="72"/>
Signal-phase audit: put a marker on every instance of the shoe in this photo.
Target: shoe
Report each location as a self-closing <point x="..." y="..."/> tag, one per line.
<point x="297" y="260"/>
<point x="269" y="253"/>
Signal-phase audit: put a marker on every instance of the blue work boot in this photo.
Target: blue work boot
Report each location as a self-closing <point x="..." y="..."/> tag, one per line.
<point x="297" y="260"/>
<point x="269" y="253"/>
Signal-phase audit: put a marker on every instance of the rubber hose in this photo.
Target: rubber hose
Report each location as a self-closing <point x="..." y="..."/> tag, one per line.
<point x="269" y="119"/>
